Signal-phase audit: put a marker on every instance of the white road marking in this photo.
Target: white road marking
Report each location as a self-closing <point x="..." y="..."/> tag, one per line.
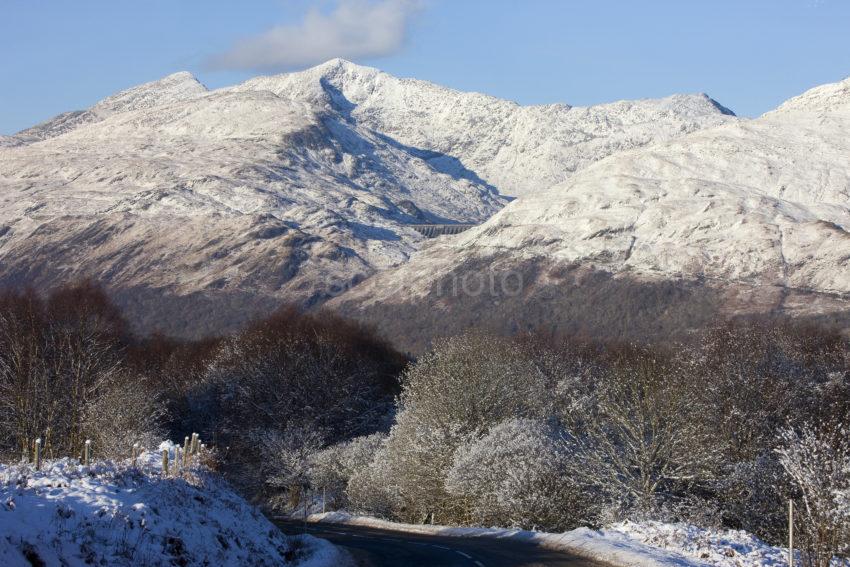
<point x="440" y="546"/>
<point x="464" y="554"/>
<point x="479" y="564"/>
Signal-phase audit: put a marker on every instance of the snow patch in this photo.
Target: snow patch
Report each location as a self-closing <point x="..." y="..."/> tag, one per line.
<point x="113" y="514"/>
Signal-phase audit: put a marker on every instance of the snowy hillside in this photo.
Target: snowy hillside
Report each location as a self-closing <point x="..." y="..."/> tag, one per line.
<point x="113" y="514"/>
<point x="759" y="210"/>
<point x="291" y="187"/>
<point x="518" y="149"/>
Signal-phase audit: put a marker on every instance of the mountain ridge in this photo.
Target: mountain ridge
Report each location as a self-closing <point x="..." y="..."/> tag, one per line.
<point x="757" y="210"/>
<point x="291" y="188"/>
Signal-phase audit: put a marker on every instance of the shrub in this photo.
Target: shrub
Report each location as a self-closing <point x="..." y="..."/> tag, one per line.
<point x="59" y="356"/>
<point x="292" y="374"/>
<point x="464" y="387"/>
<point x="642" y="440"/>
<point x="516" y="476"/>
<point x="332" y="468"/>
<point x="818" y="464"/>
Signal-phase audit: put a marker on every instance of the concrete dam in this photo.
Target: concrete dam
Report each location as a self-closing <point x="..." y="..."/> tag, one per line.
<point x="434" y="230"/>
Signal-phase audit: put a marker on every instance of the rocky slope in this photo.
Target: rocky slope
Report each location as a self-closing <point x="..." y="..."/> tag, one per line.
<point x="284" y="188"/>
<point x="748" y="217"/>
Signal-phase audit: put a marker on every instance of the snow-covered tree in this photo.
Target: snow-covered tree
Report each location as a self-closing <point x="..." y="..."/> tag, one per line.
<point x="517" y="476"/>
<point x="332" y="468"/>
<point x="373" y="489"/>
<point x="286" y="454"/>
<point x="461" y="389"/>
<point x="643" y="438"/>
<point x="752" y="496"/>
<point x="124" y="412"/>
<point x="756" y="378"/>
<point x="817" y="460"/>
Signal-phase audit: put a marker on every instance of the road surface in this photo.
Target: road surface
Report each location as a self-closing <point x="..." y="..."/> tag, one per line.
<point x="371" y="547"/>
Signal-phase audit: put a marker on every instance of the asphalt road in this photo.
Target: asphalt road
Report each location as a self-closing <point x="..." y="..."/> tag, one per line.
<point x="372" y="547"/>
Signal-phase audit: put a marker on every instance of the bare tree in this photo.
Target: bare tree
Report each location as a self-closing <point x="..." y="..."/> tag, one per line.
<point x="56" y="357"/>
<point x="642" y="439"/>
<point x="818" y="464"/>
<point x="124" y="412"/>
<point x="286" y="376"/>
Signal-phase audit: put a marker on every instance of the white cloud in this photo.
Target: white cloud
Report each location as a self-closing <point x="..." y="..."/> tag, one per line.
<point x="354" y="29"/>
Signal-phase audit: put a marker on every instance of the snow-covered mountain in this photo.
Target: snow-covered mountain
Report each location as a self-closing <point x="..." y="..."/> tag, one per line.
<point x="518" y="149"/>
<point x="291" y="187"/>
<point x="751" y="216"/>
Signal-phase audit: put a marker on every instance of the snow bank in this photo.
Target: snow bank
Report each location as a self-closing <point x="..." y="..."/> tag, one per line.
<point x="314" y="552"/>
<point x="113" y="514"/>
<point x="646" y="544"/>
<point x="728" y="548"/>
<point x="608" y="546"/>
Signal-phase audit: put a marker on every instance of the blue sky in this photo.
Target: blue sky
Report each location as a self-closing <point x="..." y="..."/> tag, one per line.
<point x="749" y="55"/>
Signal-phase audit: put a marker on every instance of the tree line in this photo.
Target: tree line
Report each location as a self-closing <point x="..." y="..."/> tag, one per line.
<point x="721" y="429"/>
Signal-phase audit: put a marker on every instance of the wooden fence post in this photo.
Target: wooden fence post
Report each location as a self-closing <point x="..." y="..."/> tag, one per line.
<point x="165" y="462"/>
<point x="790" y="533"/>
<point x="87" y="452"/>
<point x="135" y="454"/>
<point x="38" y="454"/>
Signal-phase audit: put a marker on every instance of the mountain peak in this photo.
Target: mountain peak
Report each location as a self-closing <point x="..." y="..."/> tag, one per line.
<point x="171" y="88"/>
<point x="179" y="76"/>
<point x="824" y="98"/>
<point x="336" y="62"/>
<point x="718" y="106"/>
<point x="337" y="66"/>
<point x="698" y="104"/>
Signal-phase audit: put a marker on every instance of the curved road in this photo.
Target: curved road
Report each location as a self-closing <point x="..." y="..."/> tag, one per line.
<point x="371" y="547"/>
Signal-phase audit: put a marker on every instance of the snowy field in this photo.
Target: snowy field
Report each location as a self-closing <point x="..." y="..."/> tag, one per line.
<point x="646" y="544"/>
<point x="114" y="514"/>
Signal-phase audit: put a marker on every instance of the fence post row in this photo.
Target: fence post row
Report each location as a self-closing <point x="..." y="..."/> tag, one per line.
<point x="181" y="457"/>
